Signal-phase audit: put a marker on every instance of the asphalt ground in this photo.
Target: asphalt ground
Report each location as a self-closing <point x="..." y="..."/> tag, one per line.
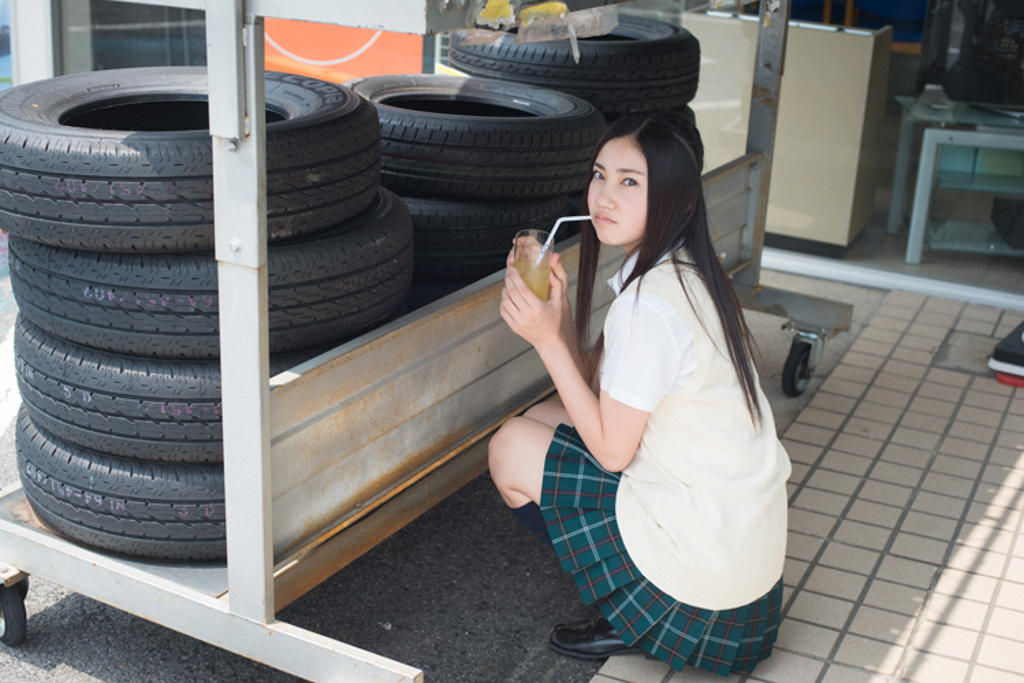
<point x="463" y="593"/>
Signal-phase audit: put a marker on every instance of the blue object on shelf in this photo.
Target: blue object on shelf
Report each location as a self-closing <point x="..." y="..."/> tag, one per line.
<point x="814" y="10"/>
<point x="810" y="10"/>
<point x="897" y="10"/>
<point x="905" y="16"/>
<point x="902" y="31"/>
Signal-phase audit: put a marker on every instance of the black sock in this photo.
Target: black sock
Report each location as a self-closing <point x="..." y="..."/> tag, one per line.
<point x="530" y="517"/>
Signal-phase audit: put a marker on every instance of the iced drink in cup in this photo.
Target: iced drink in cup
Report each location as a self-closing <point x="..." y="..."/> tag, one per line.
<point x="535" y="273"/>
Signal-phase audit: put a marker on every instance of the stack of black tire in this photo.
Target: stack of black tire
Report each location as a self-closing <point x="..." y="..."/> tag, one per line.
<point x="106" y="190"/>
<point x="476" y="160"/>
<point x="642" y="65"/>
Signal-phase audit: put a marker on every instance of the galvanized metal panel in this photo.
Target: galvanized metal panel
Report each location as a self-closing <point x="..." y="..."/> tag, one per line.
<point x="727" y="197"/>
<point x="728" y="216"/>
<point x="346" y="542"/>
<point x="310" y="389"/>
<point x="729" y="248"/>
<point x="404" y="443"/>
<point x="729" y="180"/>
<point x="415" y="394"/>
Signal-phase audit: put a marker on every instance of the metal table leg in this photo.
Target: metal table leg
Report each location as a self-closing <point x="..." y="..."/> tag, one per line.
<point x="926" y="169"/>
<point x="899" y="178"/>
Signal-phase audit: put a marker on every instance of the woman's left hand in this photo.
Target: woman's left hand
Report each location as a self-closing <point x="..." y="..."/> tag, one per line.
<point x="538" y="322"/>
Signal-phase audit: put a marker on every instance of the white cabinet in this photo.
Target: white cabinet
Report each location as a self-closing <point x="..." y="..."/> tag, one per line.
<point x="828" y="157"/>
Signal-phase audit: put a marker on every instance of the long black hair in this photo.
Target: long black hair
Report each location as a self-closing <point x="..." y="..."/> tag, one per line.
<point x="676" y="216"/>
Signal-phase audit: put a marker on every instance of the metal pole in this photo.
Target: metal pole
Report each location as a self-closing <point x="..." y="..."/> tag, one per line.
<point x="237" y="121"/>
<point x="764" y="109"/>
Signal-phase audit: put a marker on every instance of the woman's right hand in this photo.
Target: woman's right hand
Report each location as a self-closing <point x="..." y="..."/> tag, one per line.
<point x="539" y="322"/>
<point x="559" y="273"/>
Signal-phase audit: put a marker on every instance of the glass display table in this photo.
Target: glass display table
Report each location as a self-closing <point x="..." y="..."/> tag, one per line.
<point x="952" y="124"/>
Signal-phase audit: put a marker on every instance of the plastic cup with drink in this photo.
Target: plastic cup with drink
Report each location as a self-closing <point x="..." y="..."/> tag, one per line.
<point x="532" y="255"/>
<point x="533" y="266"/>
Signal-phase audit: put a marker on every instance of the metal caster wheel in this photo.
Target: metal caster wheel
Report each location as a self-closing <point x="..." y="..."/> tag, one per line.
<point x="796" y="373"/>
<point x="12" y="614"/>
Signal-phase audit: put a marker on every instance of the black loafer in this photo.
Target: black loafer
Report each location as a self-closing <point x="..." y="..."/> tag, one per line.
<point x="594" y="639"/>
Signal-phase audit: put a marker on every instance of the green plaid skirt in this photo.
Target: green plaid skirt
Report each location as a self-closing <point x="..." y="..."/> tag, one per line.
<point x="578" y="504"/>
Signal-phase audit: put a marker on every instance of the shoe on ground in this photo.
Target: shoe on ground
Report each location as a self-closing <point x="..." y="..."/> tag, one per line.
<point x="593" y="639"/>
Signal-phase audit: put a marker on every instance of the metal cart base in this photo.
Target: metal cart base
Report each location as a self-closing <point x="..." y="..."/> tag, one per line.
<point x="191" y="599"/>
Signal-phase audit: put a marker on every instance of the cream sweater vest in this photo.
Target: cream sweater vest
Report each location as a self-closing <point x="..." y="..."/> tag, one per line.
<point x="702" y="506"/>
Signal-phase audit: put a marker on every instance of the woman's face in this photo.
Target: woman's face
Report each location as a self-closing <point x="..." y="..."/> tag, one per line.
<point x="618" y="194"/>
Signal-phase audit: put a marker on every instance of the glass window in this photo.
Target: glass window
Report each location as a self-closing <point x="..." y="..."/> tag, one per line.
<point x="104" y="34"/>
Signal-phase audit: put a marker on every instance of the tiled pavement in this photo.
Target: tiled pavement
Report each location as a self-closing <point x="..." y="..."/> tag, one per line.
<point x="906" y="549"/>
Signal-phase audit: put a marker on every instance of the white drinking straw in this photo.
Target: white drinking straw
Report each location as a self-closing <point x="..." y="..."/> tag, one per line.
<point x="551" y="237"/>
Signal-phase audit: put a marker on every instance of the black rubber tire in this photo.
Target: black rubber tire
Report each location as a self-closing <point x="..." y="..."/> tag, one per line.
<point x="462" y="239"/>
<point x="446" y="136"/>
<point x="22" y="587"/>
<point x="14" y="625"/>
<point x="143" y="408"/>
<point x="144" y="509"/>
<point x="642" y="65"/>
<point x="426" y="291"/>
<point x="67" y="182"/>
<point x="795" y="374"/>
<point x="324" y="288"/>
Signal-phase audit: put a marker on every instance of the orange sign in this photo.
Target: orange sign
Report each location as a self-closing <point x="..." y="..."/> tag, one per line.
<point x="339" y="53"/>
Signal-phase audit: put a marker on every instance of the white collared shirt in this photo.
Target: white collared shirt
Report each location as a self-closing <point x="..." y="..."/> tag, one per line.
<point x="648" y="349"/>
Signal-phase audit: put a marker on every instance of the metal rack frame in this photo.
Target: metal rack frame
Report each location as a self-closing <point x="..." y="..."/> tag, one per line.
<point x="388" y="424"/>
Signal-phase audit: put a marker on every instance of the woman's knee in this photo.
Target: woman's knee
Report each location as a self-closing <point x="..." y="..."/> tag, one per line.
<point x="502" y="447"/>
<point x="515" y="456"/>
<point x="496" y="448"/>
